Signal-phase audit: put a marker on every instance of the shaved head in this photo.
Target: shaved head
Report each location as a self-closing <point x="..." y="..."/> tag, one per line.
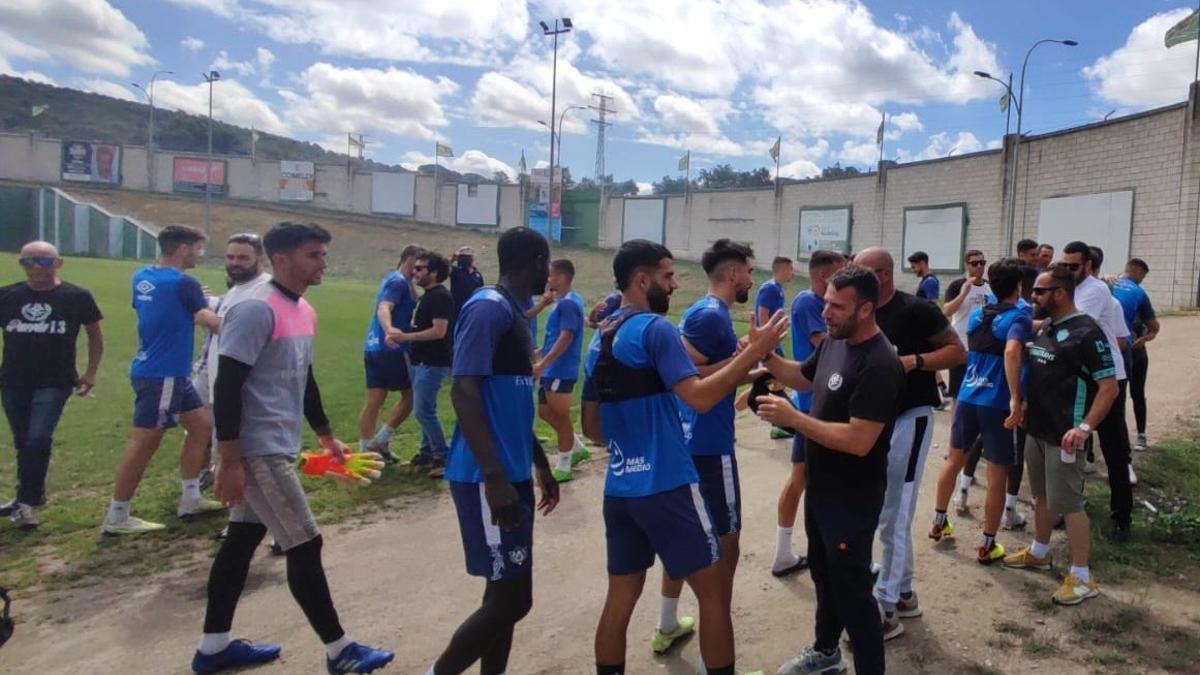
<point x="879" y="261"/>
<point x="39" y="249"/>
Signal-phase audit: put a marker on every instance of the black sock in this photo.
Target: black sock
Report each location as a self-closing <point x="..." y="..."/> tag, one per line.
<point x="618" y="669"/>
<point x="724" y="670"/>
<point x="228" y="575"/>
<point x="939" y="517"/>
<point x="306" y="579"/>
<point x="989" y="541"/>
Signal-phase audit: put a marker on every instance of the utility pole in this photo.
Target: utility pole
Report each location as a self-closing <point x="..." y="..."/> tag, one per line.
<point x="566" y="26"/>
<point x="210" y="77"/>
<point x="602" y="110"/>
<point x="149" y="92"/>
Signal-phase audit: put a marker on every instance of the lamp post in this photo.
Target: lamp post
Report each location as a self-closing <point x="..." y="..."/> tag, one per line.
<point x="1019" y="100"/>
<point x="566" y="27"/>
<point x="210" y="77"/>
<point x="149" y="92"/>
<point x="556" y="137"/>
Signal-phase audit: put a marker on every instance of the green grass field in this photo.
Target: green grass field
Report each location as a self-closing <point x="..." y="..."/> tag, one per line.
<point x="91" y="437"/>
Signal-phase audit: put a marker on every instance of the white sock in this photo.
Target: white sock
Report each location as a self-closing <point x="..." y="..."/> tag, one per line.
<point x="211" y="643"/>
<point x="1038" y="549"/>
<point x="578" y="445"/>
<point x="1082" y="573"/>
<point x="332" y="649"/>
<point x="784" y="555"/>
<point x="1010" y="501"/>
<point x="964" y="482"/>
<point x="191" y="490"/>
<point x="384" y="434"/>
<point x="118" y="511"/>
<point x="668" y="614"/>
<point x="564" y="461"/>
<point x="362" y="444"/>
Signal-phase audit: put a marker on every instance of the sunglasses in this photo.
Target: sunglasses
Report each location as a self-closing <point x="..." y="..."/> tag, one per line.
<point x="1042" y="290"/>
<point x="976" y="263"/>
<point x="38" y="262"/>
<point x="1074" y="267"/>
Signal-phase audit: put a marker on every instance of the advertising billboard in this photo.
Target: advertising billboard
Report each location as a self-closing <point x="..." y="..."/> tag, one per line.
<point x="297" y="181"/>
<point x="88" y="162"/>
<point x="188" y="175"/>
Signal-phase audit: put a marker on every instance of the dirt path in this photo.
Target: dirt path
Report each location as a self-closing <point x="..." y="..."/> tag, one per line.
<point x="399" y="582"/>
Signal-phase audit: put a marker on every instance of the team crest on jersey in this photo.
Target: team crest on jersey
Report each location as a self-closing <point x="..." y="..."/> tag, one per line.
<point x="518" y="555"/>
<point x="144" y="288"/>
<point x="36" y="311"/>
<point x="835" y="382"/>
<point x="1062" y="334"/>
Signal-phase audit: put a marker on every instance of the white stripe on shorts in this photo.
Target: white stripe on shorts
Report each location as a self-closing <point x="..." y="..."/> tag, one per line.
<point x="164" y="400"/>
<point x="705" y="522"/>
<point x="730" y="492"/>
<point x="554" y="384"/>
<point x="491" y="535"/>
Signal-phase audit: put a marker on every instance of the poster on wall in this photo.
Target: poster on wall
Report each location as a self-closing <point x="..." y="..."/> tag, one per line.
<point x="939" y="231"/>
<point x="297" y="181"/>
<point x="824" y="229"/>
<point x="188" y="175"/>
<point x="545" y="214"/>
<point x="88" y="162"/>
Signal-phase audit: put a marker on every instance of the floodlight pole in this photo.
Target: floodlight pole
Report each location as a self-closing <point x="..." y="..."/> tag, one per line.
<point x="149" y="92"/>
<point x="556" y="31"/>
<point x="210" y="77"/>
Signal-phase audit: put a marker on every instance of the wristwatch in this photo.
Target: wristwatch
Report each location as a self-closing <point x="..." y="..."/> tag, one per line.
<point x="920" y="362"/>
<point x="1085" y="427"/>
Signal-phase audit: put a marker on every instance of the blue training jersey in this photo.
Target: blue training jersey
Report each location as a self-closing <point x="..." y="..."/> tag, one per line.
<point x="771" y="296"/>
<point x="566" y="315"/>
<point x="986" y="383"/>
<point x="1135" y="304"/>
<point x="166" y="301"/>
<point x="806" y="320"/>
<point x="394" y="289"/>
<point x="708" y="326"/>
<point x="647" y="451"/>
<point x="491" y="341"/>
<point x="929" y="288"/>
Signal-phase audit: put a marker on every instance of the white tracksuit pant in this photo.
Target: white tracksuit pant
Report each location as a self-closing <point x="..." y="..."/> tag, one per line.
<point x="911" y="436"/>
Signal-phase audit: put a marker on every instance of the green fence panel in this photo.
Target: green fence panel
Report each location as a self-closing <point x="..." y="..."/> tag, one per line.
<point x="18" y="217"/>
<point x="581" y="218"/>
<point x="129" y="240"/>
<point x="97" y="233"/>
<point x="66" y="226"/>
<point x="149" y="246"/>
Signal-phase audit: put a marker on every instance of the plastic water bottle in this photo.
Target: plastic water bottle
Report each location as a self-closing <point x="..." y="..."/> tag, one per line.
<point x="1066" y="457"/>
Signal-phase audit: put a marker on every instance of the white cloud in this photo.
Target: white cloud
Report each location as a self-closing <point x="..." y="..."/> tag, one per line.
<point x="855" y="153"/>
<point x="90" y="35"/>
<point x="801" y="168"/>
<point x="995" y="144"/>
<point x="223" y="8"/>
<point x="471" y="161"/>
<point x="232" y="103"/>
<point x="942" y="144"/>
<point x="366" y="100"/>
<point x="906" y="121"/>
<point x="1143" y="72"/>
<point x="107" y="88"/>
<point x="260" y="65"/>
<point x="192" y="44"/>
<point x="6" y="68"/>
<point x="644" y="188"/>
<point x="687" y="115"/>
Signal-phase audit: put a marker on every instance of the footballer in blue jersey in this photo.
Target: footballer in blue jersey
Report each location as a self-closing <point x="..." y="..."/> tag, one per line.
<point x="494" y="456"/>
<point x="989" y="402"/>
<point x="557" y="367"/>
<point x="808" y="330"/>
<point x="1143" y="326"/>
<point x="168" y="304"/>
<point x="385" y="359"/>
<point x="653" y="502"/>
<point x="589" y="407"/>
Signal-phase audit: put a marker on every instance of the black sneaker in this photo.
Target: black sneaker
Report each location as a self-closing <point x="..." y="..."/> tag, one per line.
<point x="274" y="548"/>
<point x="437" y="468"/>
<point x="386" y="455"/>
<point x="421" y="461"/>
<point x="1122" y="533"/>
<point x="8" y="507"/>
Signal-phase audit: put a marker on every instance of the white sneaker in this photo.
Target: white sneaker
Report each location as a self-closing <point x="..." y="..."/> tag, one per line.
<point x="1142" y="444"/>
<point x="24" y="516"/>
<point x="188" y="507"/>
<point x="131" y="525"/>
<point x="1132" y="476"/>
<point x="1013" y="520"/>
<point x="960" y="502"/>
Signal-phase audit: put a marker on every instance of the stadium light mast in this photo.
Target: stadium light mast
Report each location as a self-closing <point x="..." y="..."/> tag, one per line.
<point x="149" y="92"/>
<point x="561" y="26"/>
<point x="210" y="77"/>
<point x="1020" y="101"/>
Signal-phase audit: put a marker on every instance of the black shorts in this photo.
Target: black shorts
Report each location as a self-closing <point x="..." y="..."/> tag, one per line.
<point x="387" y="369"/>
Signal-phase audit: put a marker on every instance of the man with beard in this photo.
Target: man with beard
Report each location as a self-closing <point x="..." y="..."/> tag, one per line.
<point x="264" y="385"/>
<point x="925" y="343"/>
<point x="710" y="341"/>
<point x="856" y="380"/>
<point x="1072" y="387"/>
<point x="494" y="452"/>
<point x="653" y="504"/>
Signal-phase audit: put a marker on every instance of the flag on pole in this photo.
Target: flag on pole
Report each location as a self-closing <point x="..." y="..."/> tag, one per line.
<point x="253" y="142"/>
<point x="879" y="132"/>
<point x="685" y="162"/>
<point x="1004" y="101"/>
<point x="443" y="150"/>
<point x="38" y="110"/>
<point x="775" y="149"/>
<point x="521" y="167"/>
<point x="1185" y="31"/>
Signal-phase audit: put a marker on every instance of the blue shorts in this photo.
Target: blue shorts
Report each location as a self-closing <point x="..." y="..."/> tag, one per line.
<point x="722" y="491"/>
<point x="158" y="401"/>
<point x="674" y="525"/>
<point x="491" y="552"/>
<point x="972" y="421"/>
<point x="554" y="385"/>
<point x="588" y="393"/>
<point x="799" y="452"/>
<point x="387" y="369"/>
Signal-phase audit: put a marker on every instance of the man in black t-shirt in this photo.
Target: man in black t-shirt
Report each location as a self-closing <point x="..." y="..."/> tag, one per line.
<point x="925" y="344"/>
<point x="41" y="317"/>
<point x="857" y="383"/>
<point x="1072" y="385"/>
<point x="465" y="279"/>
<point x="431" y="336"/>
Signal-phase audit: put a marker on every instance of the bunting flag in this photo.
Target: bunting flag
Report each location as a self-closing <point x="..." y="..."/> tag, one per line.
<point x="38" y="110"/>
<point x="443" y="150"/>
<point x="879" y="132"/>
<point x="1185" y="31"/>
<point x="1004" y="101"/>
<point x="685" y="162"/>
<point x="775" y="149"/>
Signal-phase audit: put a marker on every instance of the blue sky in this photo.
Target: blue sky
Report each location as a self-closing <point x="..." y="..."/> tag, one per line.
<point x="721" y="79"/>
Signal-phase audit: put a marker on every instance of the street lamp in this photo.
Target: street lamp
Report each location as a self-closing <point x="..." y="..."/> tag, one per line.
<point x="1019" y="101"/>
<point x="566" y="27"/>
<point x="556" y="137"/>
<point x="209" y="77"/>
<point x="149" y="92"/>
